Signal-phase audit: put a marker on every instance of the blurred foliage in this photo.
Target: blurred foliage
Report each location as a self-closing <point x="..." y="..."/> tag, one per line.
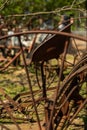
<point x="30" y="6"/>
<point x="43" y="8"/>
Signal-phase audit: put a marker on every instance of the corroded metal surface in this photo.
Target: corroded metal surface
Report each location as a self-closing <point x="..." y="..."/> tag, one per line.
<point x="57" y="108"/>
<point x="51" y="48"/>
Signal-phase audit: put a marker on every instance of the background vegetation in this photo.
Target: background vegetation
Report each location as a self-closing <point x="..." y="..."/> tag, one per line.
<point x="9" y="7"/>
<point x="26" y="10"/>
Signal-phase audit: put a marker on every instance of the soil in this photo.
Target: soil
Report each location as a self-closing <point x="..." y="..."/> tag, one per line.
<point x="78" y="123"/>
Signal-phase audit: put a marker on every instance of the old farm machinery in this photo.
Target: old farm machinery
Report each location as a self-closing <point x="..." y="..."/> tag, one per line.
<point x="54" y="94"/>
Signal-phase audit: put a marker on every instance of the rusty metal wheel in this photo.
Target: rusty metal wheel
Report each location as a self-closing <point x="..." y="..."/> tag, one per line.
<point x="73" y="94"/>
<point x="50" y="103"/>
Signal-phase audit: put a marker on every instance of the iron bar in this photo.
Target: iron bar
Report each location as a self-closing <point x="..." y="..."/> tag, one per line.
<point x="29" y="83"/>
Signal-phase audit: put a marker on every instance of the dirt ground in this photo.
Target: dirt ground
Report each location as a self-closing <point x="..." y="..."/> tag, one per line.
<point x="33" y="126"/>
<point x="78" y="123"/>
